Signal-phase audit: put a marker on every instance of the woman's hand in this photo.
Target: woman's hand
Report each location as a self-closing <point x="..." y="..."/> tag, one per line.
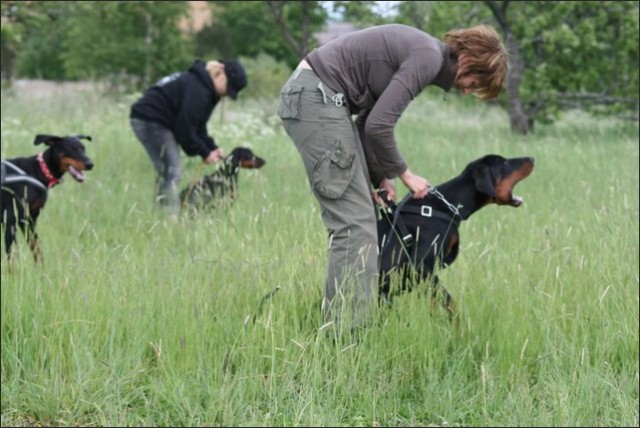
<point x="419" y="186"/>
<point x="387" y="186"/>
<point x="215" y="156"/>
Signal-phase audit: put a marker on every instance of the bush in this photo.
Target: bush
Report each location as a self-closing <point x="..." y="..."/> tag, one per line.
<point x="265" y="76"/>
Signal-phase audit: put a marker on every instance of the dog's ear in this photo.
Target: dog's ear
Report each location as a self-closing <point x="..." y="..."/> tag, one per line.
<point x="85" y="137"/>
<point x="484" y="182"/>
<point x="47" y="139"/>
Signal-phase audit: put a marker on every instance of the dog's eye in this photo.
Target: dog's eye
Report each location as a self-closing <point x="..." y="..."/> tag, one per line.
<point x="77" y="150"/>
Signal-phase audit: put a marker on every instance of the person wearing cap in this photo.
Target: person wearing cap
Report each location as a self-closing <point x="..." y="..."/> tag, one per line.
<point x="373" y="73"/>
<point x="173" y="114"/>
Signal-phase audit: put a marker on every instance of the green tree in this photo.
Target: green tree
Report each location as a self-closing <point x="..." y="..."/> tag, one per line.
<point x="577" y="54"/>
<point x="569" y="55"/>
<point x="360" y="12"/>
<point x="281" y="29"/>
<point x="32" y="36"/>
<point x="131" y="42"/>
<point x="112" y="40"/>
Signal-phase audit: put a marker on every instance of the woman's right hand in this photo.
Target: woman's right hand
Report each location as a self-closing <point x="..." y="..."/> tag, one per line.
<point x="418" y="186"/>
<point x="215" y="156"/>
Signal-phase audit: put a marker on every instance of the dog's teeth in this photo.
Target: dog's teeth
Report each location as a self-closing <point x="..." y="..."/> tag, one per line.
<point x="518" y="199"/>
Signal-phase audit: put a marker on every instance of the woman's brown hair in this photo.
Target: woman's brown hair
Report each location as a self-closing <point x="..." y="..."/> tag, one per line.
<point x="484" y="57"/>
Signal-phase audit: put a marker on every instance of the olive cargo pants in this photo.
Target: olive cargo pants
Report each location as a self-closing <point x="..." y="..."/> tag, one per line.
<point x="318" y="121"/>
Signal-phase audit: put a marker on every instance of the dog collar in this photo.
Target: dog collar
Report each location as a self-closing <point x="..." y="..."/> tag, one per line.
<point x="47" y="173"/>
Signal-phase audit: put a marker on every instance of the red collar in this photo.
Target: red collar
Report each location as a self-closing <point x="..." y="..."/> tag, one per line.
<point x="47" y="173"/>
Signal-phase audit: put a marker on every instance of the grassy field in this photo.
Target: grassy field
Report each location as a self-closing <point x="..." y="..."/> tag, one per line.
<point x="139" y="321"/>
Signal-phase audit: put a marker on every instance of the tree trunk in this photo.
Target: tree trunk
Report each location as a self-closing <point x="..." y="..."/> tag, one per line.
<point x="148" y="41"/>
<point x="8" y="61"/>
<point x="300" y="46"/>
<point x="521" y="122"/>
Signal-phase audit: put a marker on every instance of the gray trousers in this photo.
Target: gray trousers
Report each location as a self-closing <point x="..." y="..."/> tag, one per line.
<point x="164" y="152"/>
<point x="320" y="125"/>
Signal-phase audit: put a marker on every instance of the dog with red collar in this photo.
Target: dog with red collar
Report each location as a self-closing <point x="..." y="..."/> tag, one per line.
<point x="27" y="180"/>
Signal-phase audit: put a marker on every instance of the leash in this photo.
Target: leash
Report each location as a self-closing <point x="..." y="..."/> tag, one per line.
<point x="449" y="205"/>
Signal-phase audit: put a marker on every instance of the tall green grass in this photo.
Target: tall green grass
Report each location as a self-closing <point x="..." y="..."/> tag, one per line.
<point x="135" y="320"/>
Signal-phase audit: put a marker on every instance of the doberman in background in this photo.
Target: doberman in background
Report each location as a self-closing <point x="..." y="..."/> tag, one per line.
<point x="27" y="180"/>
<point x="416" y="236"/>
<point x="221" y="183"/>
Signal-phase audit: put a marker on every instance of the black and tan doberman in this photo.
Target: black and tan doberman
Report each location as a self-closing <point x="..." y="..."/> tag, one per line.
<point x="418" y="236"/>
<point x="222" y="183"/>
<point x="27" y="180"/>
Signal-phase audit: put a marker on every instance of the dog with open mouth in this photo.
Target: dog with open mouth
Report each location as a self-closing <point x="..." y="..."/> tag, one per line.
<point x="27" y="180"/>
<point x="418" y="236"/>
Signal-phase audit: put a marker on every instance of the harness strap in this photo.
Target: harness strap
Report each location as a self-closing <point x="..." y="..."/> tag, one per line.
<point x="19" y="176"/>
<point x="397" y="223"/>
<point x="428" y="211"/>
<point x="405" y="235"/>
<point x="23" y="179"/>
<point x="13" y="167"/>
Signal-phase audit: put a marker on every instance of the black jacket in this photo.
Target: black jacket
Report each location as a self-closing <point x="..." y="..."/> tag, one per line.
<point x="182" y="102"/>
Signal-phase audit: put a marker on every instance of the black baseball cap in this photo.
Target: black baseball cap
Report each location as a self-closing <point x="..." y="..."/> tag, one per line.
<point x="236" y="77"/>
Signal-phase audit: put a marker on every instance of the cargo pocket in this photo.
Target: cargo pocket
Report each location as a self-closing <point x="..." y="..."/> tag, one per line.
<point x="334" y="172"/>
<point x="289" y="107"/>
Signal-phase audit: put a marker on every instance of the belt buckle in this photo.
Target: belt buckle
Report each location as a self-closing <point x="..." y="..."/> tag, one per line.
<point x="425" y="211"/>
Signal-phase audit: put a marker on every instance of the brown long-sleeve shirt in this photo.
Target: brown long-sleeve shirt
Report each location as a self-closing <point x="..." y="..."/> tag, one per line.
<point x="380" y="70"/>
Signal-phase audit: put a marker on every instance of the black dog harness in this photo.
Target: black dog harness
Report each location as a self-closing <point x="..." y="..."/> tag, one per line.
<point x="451" y="216"/>
<point x="13" y="174"/>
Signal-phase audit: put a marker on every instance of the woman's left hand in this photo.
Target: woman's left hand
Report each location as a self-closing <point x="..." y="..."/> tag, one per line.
<point x="387" y="186"/>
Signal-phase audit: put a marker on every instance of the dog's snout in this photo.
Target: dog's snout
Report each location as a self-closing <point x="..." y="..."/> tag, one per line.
<point x="88" y="164"/>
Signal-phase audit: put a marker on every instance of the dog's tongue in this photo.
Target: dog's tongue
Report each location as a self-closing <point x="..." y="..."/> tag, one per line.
<point x="78" y="175"/>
